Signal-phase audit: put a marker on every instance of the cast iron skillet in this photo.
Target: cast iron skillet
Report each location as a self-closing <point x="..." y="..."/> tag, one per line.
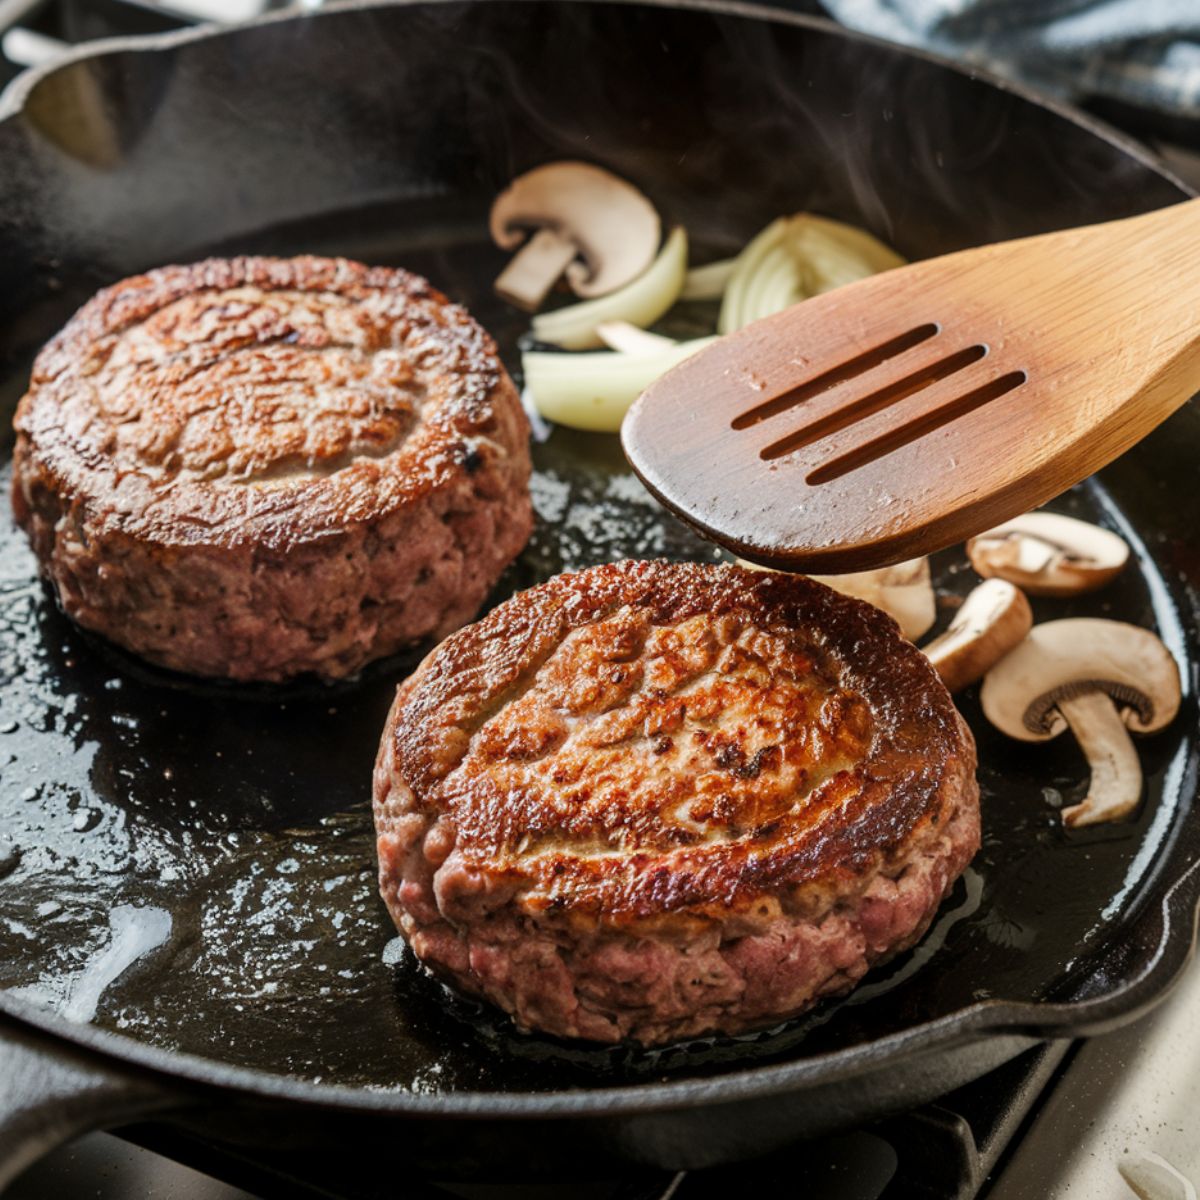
<point x="188" y="924"/>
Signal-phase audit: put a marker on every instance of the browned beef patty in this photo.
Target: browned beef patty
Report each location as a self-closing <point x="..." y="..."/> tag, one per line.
<point x="256" y="468"/>
<point x="655" y="800"/>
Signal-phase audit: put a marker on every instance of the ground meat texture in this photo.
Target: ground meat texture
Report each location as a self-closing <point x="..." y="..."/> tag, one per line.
<point x="655" y="800"/>
<point x="256" y="468"/>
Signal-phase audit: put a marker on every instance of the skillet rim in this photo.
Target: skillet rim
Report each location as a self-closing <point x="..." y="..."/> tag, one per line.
<point x="18" y="90"/>
<point x="1032" y="1021"/>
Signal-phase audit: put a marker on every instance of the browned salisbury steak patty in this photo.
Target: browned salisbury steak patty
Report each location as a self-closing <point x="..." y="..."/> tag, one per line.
<point x="655" y="800"/>
<point x="256" y="468"/>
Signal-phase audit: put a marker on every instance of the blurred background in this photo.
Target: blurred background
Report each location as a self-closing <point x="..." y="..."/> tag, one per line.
<point x="1135" y="63"/>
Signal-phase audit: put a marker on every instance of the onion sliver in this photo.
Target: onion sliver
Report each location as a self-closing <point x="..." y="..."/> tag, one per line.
<point x="594" y="391"/>
<point x="707" y="282"/>
<point x="832" y="254"/>
<point x="737" y="307"/>
<point x="629" y="339"/>
<point x="778" y="284"/>
<point x="794" y="258"/>
<point x="640" y="303"/>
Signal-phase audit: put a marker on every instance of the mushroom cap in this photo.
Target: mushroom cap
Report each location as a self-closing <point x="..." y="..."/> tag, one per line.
<point x="1072" y="657"/>
<point x="1048" y="554"/>
<point x="614" y="226"/>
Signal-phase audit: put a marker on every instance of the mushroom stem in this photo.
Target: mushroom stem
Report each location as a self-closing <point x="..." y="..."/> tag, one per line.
<point x="1116" y="783"/>
<point x="535" y="269"/>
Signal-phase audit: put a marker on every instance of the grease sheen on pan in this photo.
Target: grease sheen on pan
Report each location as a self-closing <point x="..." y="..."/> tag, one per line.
<point x="655" y="800"/>
<point x="257" y="467"/>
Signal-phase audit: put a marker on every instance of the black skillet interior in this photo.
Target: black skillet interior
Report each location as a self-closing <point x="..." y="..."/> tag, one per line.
<point x="192" y="866"/>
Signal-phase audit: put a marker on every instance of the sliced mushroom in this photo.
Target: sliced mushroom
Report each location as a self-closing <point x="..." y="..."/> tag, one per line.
<point x="1048" y="554"/>
<point x="578" y="211"/>
<point x="903" y="591"/>
<point x="1101" y="679"/>
<point x="993" y="619"/>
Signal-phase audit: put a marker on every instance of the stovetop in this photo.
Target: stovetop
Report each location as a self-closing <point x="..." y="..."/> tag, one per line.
<point x="942" y="1150"/>
<point x="1078" y="1121"/>
<point x="1062" y="1122"/>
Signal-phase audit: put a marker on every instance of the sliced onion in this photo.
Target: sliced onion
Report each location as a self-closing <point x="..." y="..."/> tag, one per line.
<point x="797" y="257"/>
<point x="629" y="339"/>
<point x="707" y="282"/>
<point x="833" y="253"/>
<point x="639" y="303"/>
<point x="778" y="284"/>
<point x="594" y="391"/>
<point x="737" y="307"/>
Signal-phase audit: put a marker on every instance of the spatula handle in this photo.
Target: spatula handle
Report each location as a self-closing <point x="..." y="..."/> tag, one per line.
<point x="1142" y="266"/>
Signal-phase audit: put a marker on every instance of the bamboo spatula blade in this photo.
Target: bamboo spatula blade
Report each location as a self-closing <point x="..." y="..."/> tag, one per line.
<point x="916" y="408"/>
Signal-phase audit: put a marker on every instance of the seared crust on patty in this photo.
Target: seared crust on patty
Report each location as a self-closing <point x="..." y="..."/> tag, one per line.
<point x="652" y="800"/>
<point x="259" y="467"/>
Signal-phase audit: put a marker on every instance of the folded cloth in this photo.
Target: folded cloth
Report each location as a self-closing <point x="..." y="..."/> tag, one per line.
<point x="1140" y="52"/>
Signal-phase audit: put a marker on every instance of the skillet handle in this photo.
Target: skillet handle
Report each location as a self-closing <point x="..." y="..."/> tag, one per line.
<point x="50" y="1092"/>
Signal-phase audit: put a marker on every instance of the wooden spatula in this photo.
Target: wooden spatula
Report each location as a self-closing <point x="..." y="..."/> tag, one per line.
<point x="908" y="411"/>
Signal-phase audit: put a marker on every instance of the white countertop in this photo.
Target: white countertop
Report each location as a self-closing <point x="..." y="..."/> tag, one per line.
<point x="1124" y="1095"/>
